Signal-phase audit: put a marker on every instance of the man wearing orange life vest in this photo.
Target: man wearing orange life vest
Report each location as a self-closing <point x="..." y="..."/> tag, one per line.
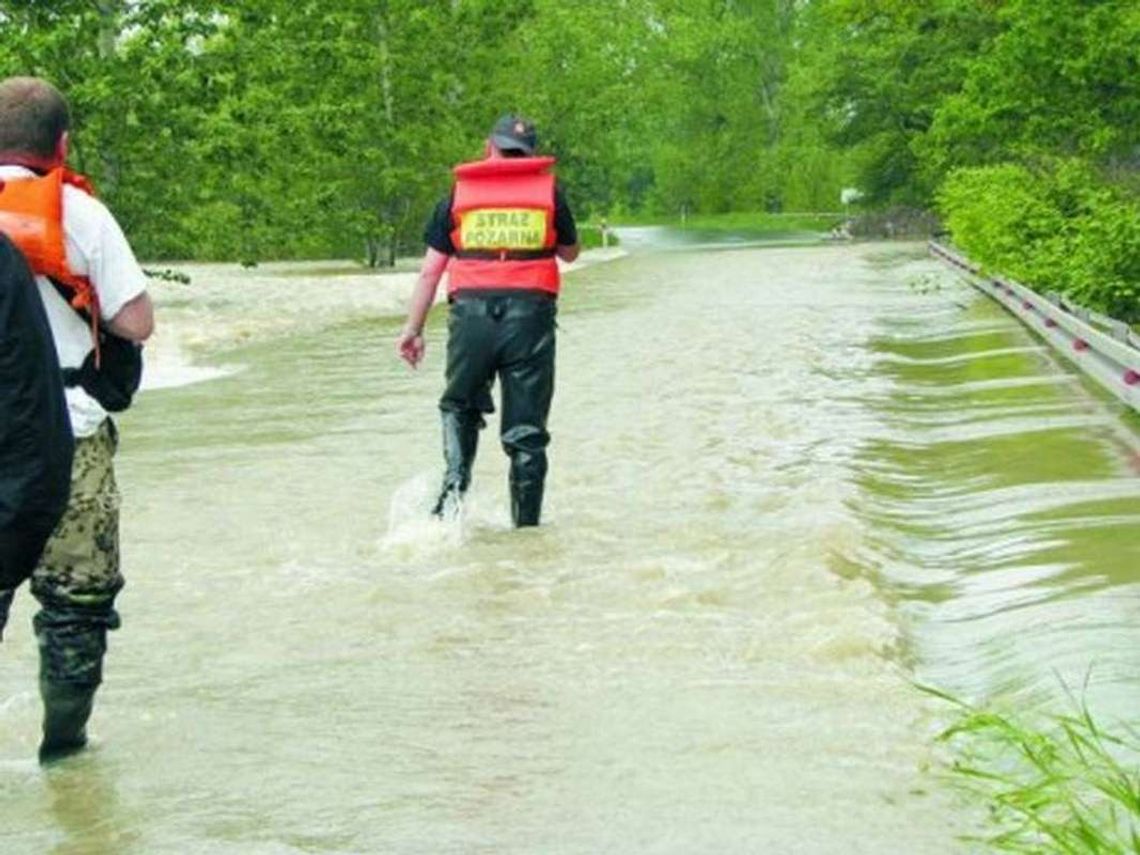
<point x="93" y="291"/>
<point x="499" y="236"/>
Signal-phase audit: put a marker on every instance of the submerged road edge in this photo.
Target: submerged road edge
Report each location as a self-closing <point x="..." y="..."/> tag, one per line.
<point x="1113" y="361"/>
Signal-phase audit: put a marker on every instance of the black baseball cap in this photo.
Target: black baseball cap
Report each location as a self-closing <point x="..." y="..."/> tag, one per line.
<point x="514" y="133"/>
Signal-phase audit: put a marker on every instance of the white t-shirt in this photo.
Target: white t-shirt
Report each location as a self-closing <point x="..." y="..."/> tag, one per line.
<point x="98" y="249"/>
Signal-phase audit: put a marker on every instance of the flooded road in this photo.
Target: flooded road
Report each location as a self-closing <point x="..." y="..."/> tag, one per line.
<point x="786" y="484"/>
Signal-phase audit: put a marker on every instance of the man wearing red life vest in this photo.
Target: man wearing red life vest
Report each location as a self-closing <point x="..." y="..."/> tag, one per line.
<point x="94" y="295"/>
<point x="499" y="236"/>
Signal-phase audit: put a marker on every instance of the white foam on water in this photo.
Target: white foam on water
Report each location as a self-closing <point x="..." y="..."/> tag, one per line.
<point x="227" y="305"/>
<point x="184" y="376"/>
<point x="16" y="703"/>
<point x="168" y="364"/>
<point x="26" y="768"/>
<point x="412" y="531"/>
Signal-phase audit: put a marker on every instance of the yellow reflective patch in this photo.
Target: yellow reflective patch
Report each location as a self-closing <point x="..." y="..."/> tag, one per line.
<point x="503" y="228"/>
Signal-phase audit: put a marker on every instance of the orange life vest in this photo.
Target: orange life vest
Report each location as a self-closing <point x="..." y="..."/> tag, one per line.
<point x="503" y="216"/>
<point x="31" y="214"/>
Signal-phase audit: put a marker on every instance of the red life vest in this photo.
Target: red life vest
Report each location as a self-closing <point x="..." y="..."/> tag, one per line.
<point x="31" y="214"/>
<point x="503" y="216"/>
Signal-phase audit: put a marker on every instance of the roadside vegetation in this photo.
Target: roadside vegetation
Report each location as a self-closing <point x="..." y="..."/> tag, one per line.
<point x="1063" y="784"/>
<point x="275" y="129"/>
<point x="590" y="235"/>
<point x="760" y="222"/>
<point x="1058" y="227"/>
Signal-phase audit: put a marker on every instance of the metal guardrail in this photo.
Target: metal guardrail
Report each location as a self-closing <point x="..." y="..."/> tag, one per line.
<point x="1106" y="350"/>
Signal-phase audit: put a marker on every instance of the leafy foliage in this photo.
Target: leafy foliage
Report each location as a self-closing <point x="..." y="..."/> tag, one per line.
<point x="1060" y="228"/>
<point x="276" y="128"/>
<point x="1068" y="786"/>
<point x="1019" y="119"/>
<point x="291" y="128"/>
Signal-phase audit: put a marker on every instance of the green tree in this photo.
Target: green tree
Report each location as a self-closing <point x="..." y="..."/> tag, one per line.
<point x="873" y="73"/>
<point x="1060" y="79"/>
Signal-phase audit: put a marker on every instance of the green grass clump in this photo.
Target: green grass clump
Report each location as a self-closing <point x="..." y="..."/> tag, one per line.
<point x="750" y="221"/>
<point x="590" y="235"/>
<point x="1070" y="788"/>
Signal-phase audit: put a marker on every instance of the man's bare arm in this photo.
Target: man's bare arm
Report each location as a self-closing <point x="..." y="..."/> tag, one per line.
<point x="410" y="343"/>
<point x="135" y="321"/>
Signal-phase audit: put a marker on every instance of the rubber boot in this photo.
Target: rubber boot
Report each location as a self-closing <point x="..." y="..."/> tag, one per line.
<point x="526" y="503"/>
<point x="72" y="642"/>
<point x="460" y="442"/>
<point x="66" y="709"/>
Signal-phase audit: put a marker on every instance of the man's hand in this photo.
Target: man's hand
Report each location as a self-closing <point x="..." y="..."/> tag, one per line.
<point x="568" y="252"/>
<point x="410" y="343"/>
<point x="410" y="346"/>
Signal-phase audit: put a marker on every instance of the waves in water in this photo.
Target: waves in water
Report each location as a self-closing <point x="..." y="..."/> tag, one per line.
<point x="1004" y="499"/>
<point x="784" y="483"/>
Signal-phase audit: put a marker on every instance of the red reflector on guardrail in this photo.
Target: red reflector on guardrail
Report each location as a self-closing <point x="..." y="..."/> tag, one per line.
<point x="1116" y="346"/>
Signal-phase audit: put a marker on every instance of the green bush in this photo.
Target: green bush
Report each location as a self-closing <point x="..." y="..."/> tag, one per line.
<point x="590" y="234"/>
<point x="1058" y="228"/>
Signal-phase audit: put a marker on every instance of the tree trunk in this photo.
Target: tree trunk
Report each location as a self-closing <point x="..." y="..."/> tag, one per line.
<point x="382" y="39"/>
<point x="372" y="252"/>
<point x="110" y="25"/>
<point x="106" y="40"/>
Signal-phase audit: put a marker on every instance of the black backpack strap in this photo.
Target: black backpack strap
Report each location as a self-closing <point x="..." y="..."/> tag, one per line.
<point x="71" y="376"/>
<point x="63" y="292"/>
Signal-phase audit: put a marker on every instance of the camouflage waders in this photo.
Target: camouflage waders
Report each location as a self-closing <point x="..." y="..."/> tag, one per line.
<point x="76" y="583"/>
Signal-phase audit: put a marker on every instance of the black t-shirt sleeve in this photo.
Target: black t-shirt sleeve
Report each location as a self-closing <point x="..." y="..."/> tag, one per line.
<point x="564" y="225"/>
<point x="437" y="234"/>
